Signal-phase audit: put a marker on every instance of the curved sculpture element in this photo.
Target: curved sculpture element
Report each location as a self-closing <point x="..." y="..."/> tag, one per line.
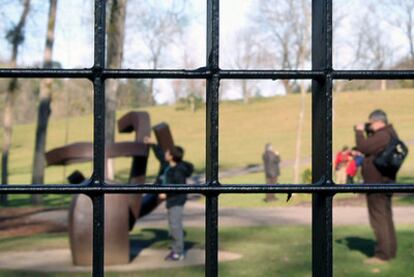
<point x="121" y="210"/>
<point x="80" y="152"/>
<point x="116" y="230"/>
<point x="163" y="135"/>
<point x="117" y="218"/>
<point x="118" y="215"/>
<point x="138" y="122"/>
<point x="69" y="154"/>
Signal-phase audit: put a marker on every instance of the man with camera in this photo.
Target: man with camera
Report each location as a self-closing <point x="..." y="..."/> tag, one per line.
<point x="371" y="139"/>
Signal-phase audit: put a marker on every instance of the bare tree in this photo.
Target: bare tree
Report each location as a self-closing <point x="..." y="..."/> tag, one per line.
<point x="372" y="49"/>
<point x="287" y="25"/>
<point x="16" y="37"/>
<point x="400" y="13"/>
<point x="248" y="54"/>
<point x="116" y="37"/>
<point x="44" y="104"/>
<point x="158" y="23"/>
<point x="189" y="92"/>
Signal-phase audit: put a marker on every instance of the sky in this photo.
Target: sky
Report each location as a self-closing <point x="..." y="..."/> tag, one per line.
<point x="74" y="30"/>
<point x="74" y="33"/>
<point x="74" y="37"/>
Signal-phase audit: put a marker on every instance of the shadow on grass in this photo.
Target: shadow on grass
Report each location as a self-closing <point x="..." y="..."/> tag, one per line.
<point x="149" y="237"/>
<point x="365" y="246"/>
<point x="49" y="200"/>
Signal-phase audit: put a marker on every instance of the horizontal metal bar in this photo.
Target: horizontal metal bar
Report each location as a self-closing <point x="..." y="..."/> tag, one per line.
<point x="271" y="74"/>
<point x="205" y="188"/>
<point x="201" y="73"/>
<point x="373" y="74"/>
<point x="86" y="73"/>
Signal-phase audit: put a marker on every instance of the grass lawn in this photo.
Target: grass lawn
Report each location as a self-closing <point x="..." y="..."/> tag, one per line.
<point x="244" y="130"/>
<point x="267" y="251"/>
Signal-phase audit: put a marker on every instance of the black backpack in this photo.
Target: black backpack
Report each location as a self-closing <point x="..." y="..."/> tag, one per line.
<point x="389" y="161"/>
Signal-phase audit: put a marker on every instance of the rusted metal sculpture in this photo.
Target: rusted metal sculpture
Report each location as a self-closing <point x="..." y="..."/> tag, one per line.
<point x="163" y="135"/>
<point x="121" y="210"/>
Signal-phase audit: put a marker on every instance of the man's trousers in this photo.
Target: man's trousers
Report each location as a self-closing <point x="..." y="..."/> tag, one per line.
<point x="380" y="218"/>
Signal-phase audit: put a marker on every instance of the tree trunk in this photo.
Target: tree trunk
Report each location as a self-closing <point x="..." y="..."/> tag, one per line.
<point x="7" y="137"/>
<point x="288" y="87"/>
<point x="193" y="103"/>
<point x="151" y="89"/>
<point x="383" y="85"/>
<point x="299" y="131"/>
<point x="41" y="133"/>
<point x="16" y="37"/>
<point x="410" y="33"/>
<point x="245" y="90"/>
<point x="44" y="106"/>
<point x="110" y="117"/>
<point x="339" y="86"/>
<point x="116" y="35"/>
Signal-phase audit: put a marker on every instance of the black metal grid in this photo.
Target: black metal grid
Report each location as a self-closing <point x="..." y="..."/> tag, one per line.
<point x="323" y="189"/>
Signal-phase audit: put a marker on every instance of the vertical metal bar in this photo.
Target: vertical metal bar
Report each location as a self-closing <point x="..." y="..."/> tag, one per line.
<point x="99" y="130"/>
<point x="211" y="269"/>
<point x="98" y="204"/>
<point x="99" y="138"/>
<point x="99" y="91"/>
<point x="212" y="122"/>
<point x="322" y="137"/>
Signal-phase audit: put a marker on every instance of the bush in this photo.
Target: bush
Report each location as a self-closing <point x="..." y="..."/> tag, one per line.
<point x="307" y="176"/>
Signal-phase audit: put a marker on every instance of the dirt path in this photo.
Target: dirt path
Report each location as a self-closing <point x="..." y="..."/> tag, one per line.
<point x="37" y="221"/>
<point x="296" y="215"/>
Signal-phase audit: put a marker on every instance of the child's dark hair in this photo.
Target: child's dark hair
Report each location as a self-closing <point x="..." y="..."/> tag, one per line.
<point x="177" y="153"/>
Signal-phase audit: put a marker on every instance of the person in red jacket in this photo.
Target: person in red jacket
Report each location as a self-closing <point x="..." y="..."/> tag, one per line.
<point x="354" y="162"/>
<point x="351" y="170"/>
<point x="341" y="162"/>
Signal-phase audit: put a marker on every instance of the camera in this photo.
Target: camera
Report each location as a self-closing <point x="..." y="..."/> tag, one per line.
<point x="368" y="129"/>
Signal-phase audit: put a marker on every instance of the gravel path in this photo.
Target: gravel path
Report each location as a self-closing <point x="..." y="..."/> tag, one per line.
<point x="194" y="216"/>
<point x="295" y="215"/>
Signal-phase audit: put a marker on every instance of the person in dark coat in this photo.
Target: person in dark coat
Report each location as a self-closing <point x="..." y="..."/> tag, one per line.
<point x="173" y="170"/>
<point x="379" y="204"/>
<point x="271" y="160"/>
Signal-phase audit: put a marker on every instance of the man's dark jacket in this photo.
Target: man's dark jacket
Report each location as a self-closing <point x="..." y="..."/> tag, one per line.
<point x="175" y="175"/>
<point x="371" y="146"/>
<point x="271" y="164"/>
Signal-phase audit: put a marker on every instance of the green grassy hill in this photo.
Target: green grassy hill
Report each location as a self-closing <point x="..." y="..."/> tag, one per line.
<point x="244" y="130"/>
